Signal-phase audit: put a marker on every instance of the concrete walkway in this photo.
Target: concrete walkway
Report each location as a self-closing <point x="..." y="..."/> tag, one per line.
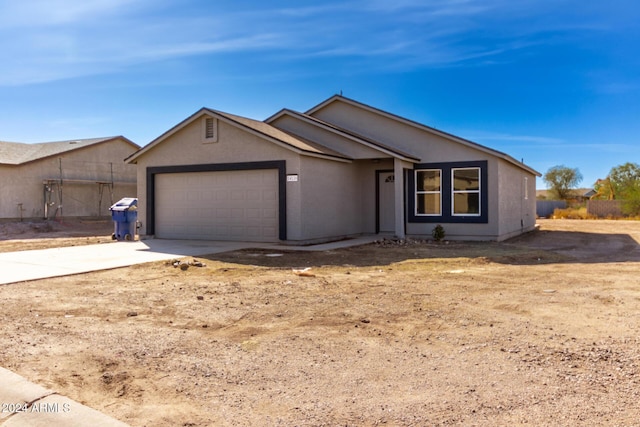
<point x="25" y="404"/>
<point x="45" y="263"/>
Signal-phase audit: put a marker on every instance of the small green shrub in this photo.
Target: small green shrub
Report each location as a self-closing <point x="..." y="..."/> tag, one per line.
<point x="438" y="232"/>
<point x="631" y="205"/>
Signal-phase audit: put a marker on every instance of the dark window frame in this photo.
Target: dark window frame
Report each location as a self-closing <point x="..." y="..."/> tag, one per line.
<point x="447" y="194"/>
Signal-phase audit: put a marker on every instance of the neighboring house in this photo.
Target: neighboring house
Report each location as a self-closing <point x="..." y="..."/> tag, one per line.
<point x="578" y="195"/>
<point x="65" y="178"/>
<point x="340" y="169"/>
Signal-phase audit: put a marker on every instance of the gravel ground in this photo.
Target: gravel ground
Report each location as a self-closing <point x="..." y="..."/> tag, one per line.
<point x="539" y="330"/>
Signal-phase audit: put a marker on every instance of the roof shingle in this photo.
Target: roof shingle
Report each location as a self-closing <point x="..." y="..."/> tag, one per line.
<point x="17" y="153"/>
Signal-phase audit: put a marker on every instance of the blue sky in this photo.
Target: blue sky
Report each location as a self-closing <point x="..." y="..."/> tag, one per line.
<point x="548" y="81"/>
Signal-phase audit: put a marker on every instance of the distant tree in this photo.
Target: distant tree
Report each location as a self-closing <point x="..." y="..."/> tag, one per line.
<point x="625" y="180"/>
<point x="631" y="204"/>
<point x="622" y="183"/>
<point x="561" y="180"/>
<point x="604" y="189"/>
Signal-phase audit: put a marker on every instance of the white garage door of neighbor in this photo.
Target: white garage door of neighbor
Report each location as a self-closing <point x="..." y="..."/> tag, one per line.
<point x="224" y="205"/>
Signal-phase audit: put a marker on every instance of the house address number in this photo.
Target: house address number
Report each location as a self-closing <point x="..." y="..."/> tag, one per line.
<point x="292" y="178"/>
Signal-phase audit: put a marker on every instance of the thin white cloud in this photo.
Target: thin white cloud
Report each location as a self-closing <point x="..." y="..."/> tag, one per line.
<point x="108" y="36"/>
<point x="546" y="142"/>
<point x="535" y="139"/>
<point x="180" y="49"/>
<point x="44" y="40"/>
<point x="35" y="13"/>
<point x="435" y="7"/>
<point x="311" y="11"/>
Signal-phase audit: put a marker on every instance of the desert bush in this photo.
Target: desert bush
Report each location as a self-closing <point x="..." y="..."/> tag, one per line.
<point x="572" y="213"/>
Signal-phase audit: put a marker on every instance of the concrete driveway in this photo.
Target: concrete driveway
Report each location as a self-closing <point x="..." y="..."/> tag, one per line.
<point x="44" y="263"/>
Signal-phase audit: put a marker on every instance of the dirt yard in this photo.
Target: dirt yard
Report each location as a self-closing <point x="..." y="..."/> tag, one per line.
<point x="541" y="330"/>
<point x="23" y="236"/>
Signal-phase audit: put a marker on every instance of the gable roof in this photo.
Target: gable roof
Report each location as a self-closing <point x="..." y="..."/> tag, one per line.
<point x="394" y="152"/>
<point x="256" y="127"/>
<point x="451" y="137"/>
<point x="307" y="147"/>
<point x="286" y="137"/>
<point x="17" y="153"/>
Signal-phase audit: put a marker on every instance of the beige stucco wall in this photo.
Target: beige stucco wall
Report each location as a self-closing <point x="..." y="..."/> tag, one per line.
<point x="24" y="183"/>
<point x="334" y="199"/>
<point x="430" y="148"/>
<point x="517" y="213"/>
<point x="505" y="181"/>
<point x="330" y="198"/>
<point x="339" y="199"/>
<point x="235" y="145"/>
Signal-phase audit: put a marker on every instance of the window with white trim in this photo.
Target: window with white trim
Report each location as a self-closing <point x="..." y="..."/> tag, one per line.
<point x="449" y="192"/>
<point x="209" y="130"/>
<point x="465" y="188"/>
<point x="428" y="192"/>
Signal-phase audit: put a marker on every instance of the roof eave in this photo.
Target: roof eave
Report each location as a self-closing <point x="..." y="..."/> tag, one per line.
<point x="279" y="142"/>
<point x="134" y="157"/>
<point x="81" y="147"/>
<point x="207" y="111"/>
<point x="344" y="134"/>
<point x="424" y="127"/>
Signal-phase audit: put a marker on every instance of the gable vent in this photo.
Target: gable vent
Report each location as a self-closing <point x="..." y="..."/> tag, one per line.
<point x="210" y="130"/>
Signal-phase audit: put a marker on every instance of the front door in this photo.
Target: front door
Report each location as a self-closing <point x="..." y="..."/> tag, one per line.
<point x="386" y="202"/>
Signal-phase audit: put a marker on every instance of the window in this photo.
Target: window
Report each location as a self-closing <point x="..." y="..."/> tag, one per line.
<point x="428" y="192"/>
<point x="466" y="191"/>
<point x="526" y="188"/>
<point x="209" y="130"/>
<point x="449" y="193"/>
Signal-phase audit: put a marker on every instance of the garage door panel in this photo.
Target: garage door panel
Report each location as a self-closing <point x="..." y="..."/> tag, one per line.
<point x="269" y="196"/>
<point x="253" y="213"/>
<point x="269" y="213"/>
<point x="222" y="213"/>
<point x="224" y="205"/>
<point x="237" y="216"/>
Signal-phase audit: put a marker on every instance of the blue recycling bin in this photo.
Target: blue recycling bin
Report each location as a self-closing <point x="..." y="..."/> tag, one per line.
<point x="125" y="218"/>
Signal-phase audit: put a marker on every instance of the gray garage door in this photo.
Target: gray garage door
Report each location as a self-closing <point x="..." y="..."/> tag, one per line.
<point x="225" y="205"/>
